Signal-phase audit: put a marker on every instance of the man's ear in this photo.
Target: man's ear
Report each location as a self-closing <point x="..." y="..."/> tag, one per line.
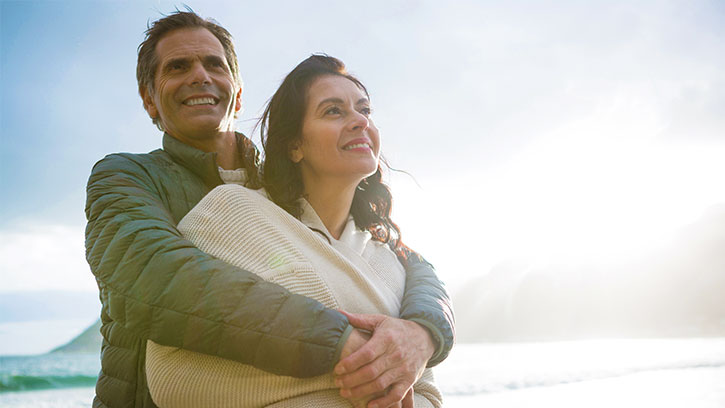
<point x="238" y="101"/>
<point x="148" y="102"/>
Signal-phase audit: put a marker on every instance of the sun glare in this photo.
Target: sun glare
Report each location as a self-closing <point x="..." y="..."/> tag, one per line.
<point x="604" y="188"/>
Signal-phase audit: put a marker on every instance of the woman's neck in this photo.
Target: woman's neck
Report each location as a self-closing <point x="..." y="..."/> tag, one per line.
<point x="331" y="201"/>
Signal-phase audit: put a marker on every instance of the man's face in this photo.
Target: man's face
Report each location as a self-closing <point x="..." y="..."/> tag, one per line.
<point x="195" y="95"/>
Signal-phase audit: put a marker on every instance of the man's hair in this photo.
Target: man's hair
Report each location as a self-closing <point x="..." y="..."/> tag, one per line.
<point x="147" y="58"/>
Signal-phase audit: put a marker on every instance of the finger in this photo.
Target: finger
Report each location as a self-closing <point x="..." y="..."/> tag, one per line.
<point x="369" y="389"/>
<point x="363" y="375"/>
<point x="395" y="395"/>
<point x="408" y="401"/>
<point x="363" y="321"/>
<point x="390" y="358"/>
<point x="363" y="356"/>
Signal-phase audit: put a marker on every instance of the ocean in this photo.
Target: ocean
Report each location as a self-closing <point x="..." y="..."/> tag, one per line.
<point x="659" y="373"/>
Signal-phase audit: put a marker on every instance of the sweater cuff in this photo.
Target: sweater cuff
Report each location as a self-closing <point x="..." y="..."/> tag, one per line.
<point x="437" y="338"/>
<point x="341" y="343"/>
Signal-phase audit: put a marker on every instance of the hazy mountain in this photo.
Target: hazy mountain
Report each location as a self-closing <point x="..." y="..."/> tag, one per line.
<point x="88" y="341"/>
<point x="676" y="290"/>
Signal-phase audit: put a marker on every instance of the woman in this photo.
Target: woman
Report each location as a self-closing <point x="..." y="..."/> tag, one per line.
<point x="328" y="237"/>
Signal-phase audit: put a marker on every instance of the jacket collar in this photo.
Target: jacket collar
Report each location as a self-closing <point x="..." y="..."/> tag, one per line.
<point x="201" y="163"/>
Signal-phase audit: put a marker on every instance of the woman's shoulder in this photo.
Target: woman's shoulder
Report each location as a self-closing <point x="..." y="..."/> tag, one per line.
<point x="231" y="189"/>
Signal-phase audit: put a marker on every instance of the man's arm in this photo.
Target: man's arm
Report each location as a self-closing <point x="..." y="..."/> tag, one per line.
<point x="399" y="349"/>
<point x="159" y="285"/>
<point x="427" y="303"/>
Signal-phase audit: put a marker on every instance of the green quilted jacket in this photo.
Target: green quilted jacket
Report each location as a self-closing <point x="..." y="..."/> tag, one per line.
<point x="156" y="285"/>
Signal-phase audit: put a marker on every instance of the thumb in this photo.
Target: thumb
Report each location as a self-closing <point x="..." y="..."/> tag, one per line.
<point x="363" y="321"/>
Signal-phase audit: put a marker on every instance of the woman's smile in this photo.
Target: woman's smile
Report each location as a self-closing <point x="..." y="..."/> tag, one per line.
<point x="339" y="139"/>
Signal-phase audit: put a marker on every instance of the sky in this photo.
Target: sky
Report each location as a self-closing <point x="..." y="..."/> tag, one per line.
<point x="549" y="129"/>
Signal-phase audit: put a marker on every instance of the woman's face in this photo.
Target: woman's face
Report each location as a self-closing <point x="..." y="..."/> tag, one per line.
<point x="339" y="140"/>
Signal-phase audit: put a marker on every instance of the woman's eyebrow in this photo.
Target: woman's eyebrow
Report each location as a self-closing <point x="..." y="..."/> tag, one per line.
<point x="329" y="100"/>
<point x="340" y="101"/>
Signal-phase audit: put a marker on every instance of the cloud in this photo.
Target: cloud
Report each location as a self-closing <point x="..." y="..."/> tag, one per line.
<point x="36" y="256"/>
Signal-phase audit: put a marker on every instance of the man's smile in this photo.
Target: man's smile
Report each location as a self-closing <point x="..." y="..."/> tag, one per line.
<point x="204" y="100"/>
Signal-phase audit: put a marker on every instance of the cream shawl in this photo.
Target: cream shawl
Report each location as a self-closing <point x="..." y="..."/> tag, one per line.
<point x="244" y="228"/>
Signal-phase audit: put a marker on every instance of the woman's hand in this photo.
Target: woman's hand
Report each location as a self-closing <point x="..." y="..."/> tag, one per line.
<point x="392" y="360"/>
<point x="354" y="342"/>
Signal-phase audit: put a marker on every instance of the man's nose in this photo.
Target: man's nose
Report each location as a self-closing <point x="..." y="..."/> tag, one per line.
<point x="198" y="75"/>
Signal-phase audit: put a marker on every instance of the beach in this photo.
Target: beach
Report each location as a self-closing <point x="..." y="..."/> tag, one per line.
<point x="659" y="373"/>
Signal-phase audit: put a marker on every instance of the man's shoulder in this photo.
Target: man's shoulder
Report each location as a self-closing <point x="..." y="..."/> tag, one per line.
<point x="133" y="161"/>
<point x="120" y="158"/>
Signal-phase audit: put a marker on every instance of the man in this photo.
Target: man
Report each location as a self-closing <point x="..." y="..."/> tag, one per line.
<point x="155" y="285"/>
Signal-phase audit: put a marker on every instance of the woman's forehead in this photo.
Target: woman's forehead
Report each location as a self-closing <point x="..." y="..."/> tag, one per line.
<point x="337" y="86"/>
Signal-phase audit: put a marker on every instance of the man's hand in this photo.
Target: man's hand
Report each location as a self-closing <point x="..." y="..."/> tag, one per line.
<point x="393" y="359"/>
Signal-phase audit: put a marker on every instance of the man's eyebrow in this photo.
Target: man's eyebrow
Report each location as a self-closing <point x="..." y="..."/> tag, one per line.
<point x="174" y="61"/>
<point x="214" y="58"/>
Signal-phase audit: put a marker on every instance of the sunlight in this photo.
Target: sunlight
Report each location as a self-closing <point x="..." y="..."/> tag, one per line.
<point x="603" y="187"/>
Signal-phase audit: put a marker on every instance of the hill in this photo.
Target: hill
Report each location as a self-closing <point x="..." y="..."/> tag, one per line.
<point x="88" y="341"/>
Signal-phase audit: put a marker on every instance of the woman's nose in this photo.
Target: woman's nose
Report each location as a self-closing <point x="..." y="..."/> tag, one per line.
<point x="359" y="121"/>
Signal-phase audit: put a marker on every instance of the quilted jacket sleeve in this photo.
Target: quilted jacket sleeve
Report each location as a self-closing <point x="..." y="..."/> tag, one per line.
<point x="426" y="302"/>
<point x="162" y="287"/>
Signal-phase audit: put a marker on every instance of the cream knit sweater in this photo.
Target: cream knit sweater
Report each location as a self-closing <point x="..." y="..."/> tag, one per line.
<point x="242" y="227"/>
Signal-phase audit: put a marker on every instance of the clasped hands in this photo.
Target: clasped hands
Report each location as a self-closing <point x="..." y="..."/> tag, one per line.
<point x="381" y="367"/>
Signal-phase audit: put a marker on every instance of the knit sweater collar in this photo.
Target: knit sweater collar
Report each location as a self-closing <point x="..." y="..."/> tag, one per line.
<point x="351" y="235"/>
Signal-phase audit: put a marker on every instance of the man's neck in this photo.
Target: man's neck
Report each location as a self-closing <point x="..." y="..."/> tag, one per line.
<point x="224" y="144"/>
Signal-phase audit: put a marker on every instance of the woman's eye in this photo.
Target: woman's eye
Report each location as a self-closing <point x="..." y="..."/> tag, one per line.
<point x="366" y="111"/>
<point x="333" y="111"/>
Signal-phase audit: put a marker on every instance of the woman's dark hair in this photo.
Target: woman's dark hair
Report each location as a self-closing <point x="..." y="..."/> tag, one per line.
<point x="281" y="128"/>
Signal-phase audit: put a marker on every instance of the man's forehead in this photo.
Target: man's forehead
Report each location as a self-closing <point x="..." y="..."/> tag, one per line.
<point x="189" y="42"/>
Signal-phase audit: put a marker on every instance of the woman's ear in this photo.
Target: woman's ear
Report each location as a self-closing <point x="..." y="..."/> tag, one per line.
<point x="295" y="153"/>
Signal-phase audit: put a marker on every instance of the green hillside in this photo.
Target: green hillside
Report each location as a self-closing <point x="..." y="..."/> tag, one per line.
<point x="88" y="341"/>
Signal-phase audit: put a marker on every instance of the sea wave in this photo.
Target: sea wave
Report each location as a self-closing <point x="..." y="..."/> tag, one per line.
<point x="48" y="371"/>
<point x="28" y="383"/>
<point x="493" y="386"/>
